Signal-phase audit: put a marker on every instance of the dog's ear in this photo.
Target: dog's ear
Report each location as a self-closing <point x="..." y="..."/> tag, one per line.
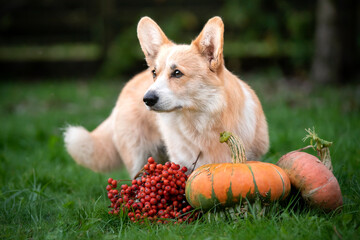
<point x="210" y="42"/>
<point x="151" y="38"/>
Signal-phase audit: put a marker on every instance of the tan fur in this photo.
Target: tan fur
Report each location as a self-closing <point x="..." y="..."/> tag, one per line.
<point x="191" y="111"/>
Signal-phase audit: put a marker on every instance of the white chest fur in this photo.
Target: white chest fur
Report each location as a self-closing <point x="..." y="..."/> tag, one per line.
<point x="185" y="138"/>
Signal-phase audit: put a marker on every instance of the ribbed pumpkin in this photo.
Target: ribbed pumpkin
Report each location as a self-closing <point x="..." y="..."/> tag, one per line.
<point x="226" y="183"/>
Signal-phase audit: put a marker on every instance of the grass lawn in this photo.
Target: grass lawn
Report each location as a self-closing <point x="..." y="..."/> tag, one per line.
<point x="45" y="195"/>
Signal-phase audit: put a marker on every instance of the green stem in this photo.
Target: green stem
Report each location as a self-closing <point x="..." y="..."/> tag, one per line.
<point x="236" y="147"/>
<point x="321" y="146"/>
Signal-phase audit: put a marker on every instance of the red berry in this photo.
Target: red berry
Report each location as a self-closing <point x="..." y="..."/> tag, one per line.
<point x="114" y="183"/>
<point x="173" y="191"/>
<point x="146" y="166"/>
<point x="165" y="173"/>
<point x="151" y="160"/>
<point x="110" y="180"/>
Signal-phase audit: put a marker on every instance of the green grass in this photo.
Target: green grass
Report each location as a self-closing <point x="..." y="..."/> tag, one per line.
<point x="45" y="195"/>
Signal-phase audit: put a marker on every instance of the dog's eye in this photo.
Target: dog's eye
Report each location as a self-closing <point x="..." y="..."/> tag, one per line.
<point x="154" y="73"/>
<point x="177" y="74"/>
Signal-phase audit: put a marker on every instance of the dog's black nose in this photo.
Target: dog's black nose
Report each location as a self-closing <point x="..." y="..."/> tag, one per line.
<point x="150" y="98"/>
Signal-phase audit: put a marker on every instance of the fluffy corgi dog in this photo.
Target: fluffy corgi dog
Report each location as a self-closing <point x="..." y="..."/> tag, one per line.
<point x="176" y="109"/>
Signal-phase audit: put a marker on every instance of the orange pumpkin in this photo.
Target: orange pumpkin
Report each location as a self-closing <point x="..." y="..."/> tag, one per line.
<point x="227" y="183"/>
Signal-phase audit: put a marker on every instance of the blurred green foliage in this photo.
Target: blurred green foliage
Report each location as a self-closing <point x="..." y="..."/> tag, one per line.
<point x="255" y="29"/>
<point x="258" y="33"/>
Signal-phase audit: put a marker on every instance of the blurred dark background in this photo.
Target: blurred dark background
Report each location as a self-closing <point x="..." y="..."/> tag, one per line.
<point x="318" y="40"/>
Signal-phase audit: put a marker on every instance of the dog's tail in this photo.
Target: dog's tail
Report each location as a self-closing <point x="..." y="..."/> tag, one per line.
<point x="94" y="150"/>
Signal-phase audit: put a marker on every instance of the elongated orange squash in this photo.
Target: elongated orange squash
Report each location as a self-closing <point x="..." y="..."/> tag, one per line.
<point x="226" y="183"/>
<point x="313" y="176"/>
<point x="317" y="184"/>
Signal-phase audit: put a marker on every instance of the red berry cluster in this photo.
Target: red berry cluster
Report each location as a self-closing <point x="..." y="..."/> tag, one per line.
<point x="158" y="195"/>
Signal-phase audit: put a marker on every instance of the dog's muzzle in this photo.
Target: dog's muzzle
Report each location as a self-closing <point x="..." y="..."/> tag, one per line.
<point x="150" y="98"/>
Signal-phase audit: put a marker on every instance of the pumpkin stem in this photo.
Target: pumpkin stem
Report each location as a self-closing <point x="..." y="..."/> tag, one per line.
<point x="321" y="146"/>
<point x="236" y="147"/>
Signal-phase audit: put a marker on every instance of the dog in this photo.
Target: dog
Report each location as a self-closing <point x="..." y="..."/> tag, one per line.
<point x="176" y="109"/>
